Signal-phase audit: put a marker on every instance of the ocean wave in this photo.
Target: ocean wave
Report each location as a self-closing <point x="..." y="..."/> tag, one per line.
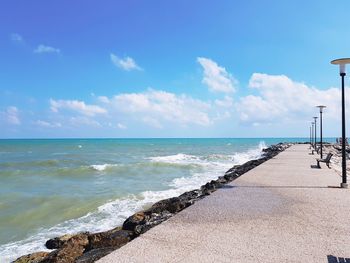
<point x="102" y="167"/>
<point x="42" y="163"/>
<point x="114" y="212"/>
<point x="240" y="158"/>
<point x="176" y="158"/>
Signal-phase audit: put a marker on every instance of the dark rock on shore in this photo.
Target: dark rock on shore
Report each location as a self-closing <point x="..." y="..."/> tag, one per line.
<point x="153" y="220"/>
<point x="134" y="220"/>
<point x="114" y="239"/>
<point x="32" y="258"/>
<point x="87" y="248"/>
<point x="57" y="242"/>
<point x="70" y="251"/>
<point x="94" y="255"/>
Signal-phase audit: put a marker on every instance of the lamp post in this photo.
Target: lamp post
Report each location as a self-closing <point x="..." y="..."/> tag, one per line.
<point x="321" y="107"/>
<point x="342" y="71"/>
<point x="315" y="118"/>
<point x="312" y="135"/>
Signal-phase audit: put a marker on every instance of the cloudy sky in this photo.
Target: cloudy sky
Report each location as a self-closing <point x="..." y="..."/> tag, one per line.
<point x="170" y="68"/>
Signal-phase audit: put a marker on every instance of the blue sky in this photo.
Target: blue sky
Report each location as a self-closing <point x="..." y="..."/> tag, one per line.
<point x="169" y="68"/>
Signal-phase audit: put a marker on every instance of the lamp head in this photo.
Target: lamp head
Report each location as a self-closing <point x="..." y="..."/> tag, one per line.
<point x="342" y="64"/>
<point x="315" y="118"/>
<point x="321" y="107"/>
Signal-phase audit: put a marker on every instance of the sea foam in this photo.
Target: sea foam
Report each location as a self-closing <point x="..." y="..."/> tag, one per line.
<point x="102" y="167"/>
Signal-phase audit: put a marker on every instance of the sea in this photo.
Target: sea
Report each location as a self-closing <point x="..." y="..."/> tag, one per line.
<point x="51" y="187"/>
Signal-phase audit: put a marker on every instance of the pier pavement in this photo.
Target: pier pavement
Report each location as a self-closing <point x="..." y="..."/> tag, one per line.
<point x="281" y="211"/>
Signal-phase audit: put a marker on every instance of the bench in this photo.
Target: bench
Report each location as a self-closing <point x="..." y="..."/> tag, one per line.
<point x="317" y="150"/>
<point x="325" y="160"/>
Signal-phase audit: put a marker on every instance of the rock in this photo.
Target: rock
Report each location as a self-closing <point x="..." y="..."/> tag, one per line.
<point x="70" y="251"/>
<point x="134" y="220"/>
<point x="94" y="255"/>
<point x="32" y="258"/>
<point x="114" y="239"/>
<point x="221" y="180"/>
<point x="206" y="191"/>
<point x="172" y="205"/>
<point x="153" y="220"/>
<point x="231" y="176"/>
<point x="191" y="195"/>
<point x="57" y="242"/>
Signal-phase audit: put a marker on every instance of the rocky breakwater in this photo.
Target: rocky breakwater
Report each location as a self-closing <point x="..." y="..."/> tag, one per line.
<point x="88" y="247"/>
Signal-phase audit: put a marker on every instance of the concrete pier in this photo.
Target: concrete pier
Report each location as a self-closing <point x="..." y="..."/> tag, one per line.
<point x="282" y="211"/>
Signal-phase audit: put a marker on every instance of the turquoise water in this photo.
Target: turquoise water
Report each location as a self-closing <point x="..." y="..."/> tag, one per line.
<point x="58" y="186"/>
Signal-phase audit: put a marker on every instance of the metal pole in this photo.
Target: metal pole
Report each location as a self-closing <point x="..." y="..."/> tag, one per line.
<point x="315" y="131"/>
<point x="321" y="131"/>
<point x="344" y="184"/>
<point x="312" y="134"/>
<point x="310" y="138"/>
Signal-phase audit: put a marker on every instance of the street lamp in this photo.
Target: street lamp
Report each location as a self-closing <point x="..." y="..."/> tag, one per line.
<point x="342" y="71"/>
<point x="315" y="118"/>
<point x="321" y="110"/>
<point x="310" y="138"/>
<point x="312" y="135"/>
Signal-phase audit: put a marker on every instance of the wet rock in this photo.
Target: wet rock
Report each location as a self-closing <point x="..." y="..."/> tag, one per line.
<point x="134" y="220"/>
<point x="205" y="191"/>
<point x="114" y="239"/>
<point x="94" y="255"/>
<point x="153" y="220"/>
<point x="70" y="251"/>
<point x="231" y="176"/>
<point x="172" y="205"/>
<point x="57" y="242"/>
<point x="32" y="258"/>
<point x="190" y="196"/>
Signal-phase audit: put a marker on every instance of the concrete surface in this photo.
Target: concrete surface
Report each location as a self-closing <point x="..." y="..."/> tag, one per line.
<point x="281" y="211"/>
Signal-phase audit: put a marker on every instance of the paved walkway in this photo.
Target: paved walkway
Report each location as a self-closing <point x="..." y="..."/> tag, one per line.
<point x="281" y="211"/>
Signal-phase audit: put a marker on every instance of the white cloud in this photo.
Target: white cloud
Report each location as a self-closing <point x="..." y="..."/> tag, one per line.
<point x="16" y="38"/>
<point x="12" y="115"/>
<point x="216" y="77"/>
<point x="152" y="122"/>
<point x="78" y="106"/>
<point x="121" y="126"/>
<point x="281" y="98"/>
<point x="154" y="107"/>
<point x="48" y="124"/>
<point x="126" y="63"/>
<point x="225" y="103"/>
<point x="103" y="99"/>
<point x="46" y="49"/>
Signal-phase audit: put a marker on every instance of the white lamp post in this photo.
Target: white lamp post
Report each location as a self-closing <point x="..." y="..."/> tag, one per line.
<point x="342" y="71"/>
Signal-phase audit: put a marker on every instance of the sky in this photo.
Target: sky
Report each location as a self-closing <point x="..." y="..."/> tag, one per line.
<point x="120" y="69"/>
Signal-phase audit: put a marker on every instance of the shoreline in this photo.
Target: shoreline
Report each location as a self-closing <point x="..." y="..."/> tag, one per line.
<point x="89" y="247"/>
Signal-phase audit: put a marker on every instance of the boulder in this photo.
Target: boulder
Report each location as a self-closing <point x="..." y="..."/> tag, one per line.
<point x="70" y="251"/>
<point x="153" y="220"/>
<point x="94" y="255"/>
<point x="57" y="242"/>
<point x="32" y="258"/>
<point x="134" y="220"/>
<point x="172" y="205"/>
<point x="114" y="239"/>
